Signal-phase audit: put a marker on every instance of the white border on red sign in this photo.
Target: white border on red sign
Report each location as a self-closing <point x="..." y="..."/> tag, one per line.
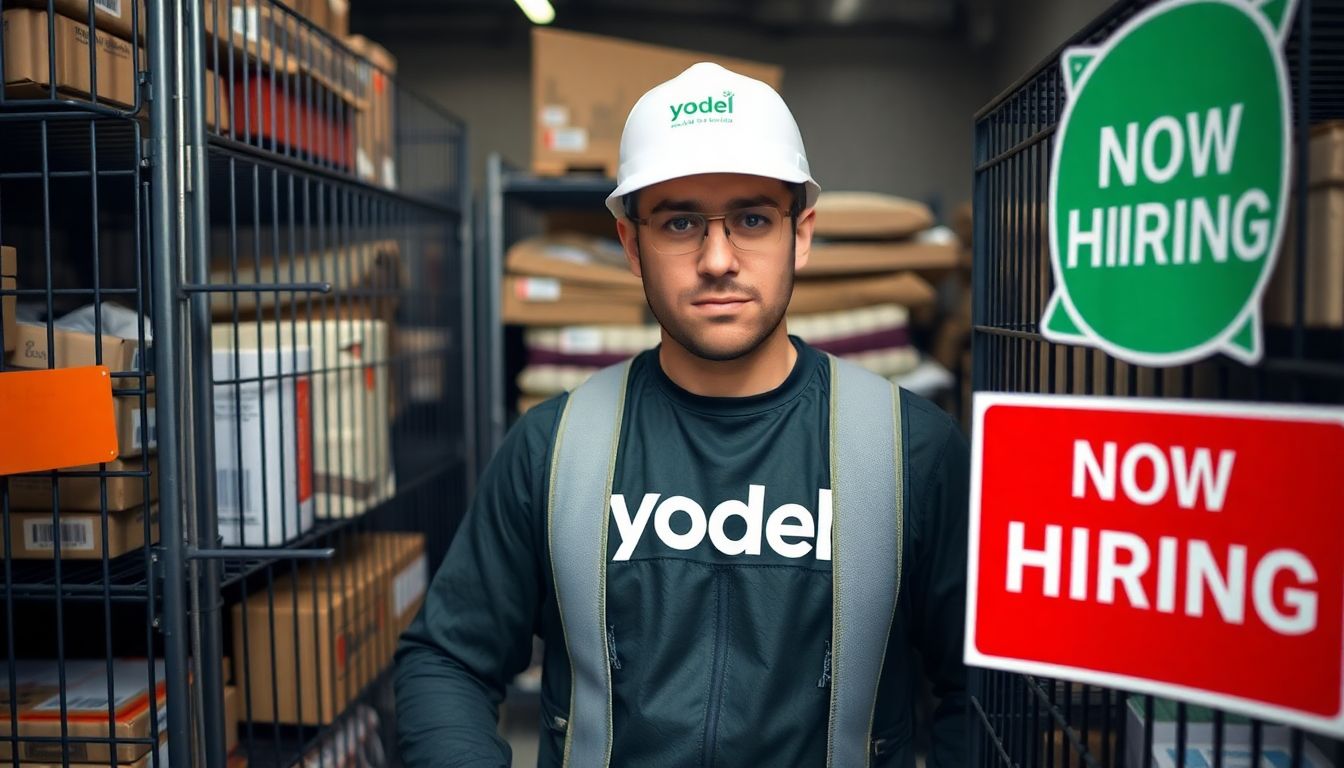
<point x="983" y="401"/>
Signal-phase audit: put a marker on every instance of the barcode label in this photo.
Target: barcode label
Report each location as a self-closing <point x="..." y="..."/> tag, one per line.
<point x="245" y="23"/>
<point x="410" y="584"/>
<point x="230" y="482"/>
<point x="84" y="702"/>
<point x="112" y="7"/>
<point x="76" y="535"/>
<point x="538" y="289"/>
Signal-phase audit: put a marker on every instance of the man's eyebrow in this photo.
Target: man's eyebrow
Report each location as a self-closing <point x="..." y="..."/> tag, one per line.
<point x="692" y="206"/>
<point x="677" y="205"/>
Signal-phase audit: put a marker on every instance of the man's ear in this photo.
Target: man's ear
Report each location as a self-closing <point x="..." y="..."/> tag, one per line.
<point x="803" y="238"/>
<point x="628" y="232"/>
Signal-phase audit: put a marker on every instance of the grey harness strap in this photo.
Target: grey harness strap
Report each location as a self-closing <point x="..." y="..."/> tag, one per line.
<point x="867" y="528"/>
<point x="577" y="515"/>
<point x="867" y="490"/>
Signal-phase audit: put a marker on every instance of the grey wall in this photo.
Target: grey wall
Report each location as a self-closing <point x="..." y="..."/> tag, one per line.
<point x="876" y="114"/>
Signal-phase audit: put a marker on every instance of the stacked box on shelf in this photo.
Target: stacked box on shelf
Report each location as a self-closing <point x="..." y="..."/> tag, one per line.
<point x="375" y="126"/>
<point x="291" y="87"/>
<point x="28" y="53"/>
<point x="263" y="435"/>
<point x="85" y="698"/>
<point x="583" y="86"/>
<point x="32" y="525"/>
<point x="346" y="615"/>
<point x="1323" y="282"/>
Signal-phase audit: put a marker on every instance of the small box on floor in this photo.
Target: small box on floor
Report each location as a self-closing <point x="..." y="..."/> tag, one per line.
<point x="86" y="702"/>
<point x="263" y="438"/>
<point x="32" y="534"/>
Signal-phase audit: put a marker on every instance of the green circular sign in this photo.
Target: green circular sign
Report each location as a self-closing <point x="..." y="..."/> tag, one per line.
<point x="1169" y="183"/>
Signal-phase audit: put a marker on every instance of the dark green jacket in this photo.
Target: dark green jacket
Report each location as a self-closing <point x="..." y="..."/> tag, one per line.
<point x="717" y="659"/>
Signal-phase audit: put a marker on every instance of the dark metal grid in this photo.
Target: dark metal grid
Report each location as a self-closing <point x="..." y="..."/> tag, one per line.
<point x="73" y="161"/>
<point x="1030" y="721"/>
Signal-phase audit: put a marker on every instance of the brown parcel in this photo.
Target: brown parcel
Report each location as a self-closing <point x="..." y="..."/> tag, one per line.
<point x="375" y="150"/>
<point x="9" y="269"/>
<point x="869" y="215"/>
<point x="548" y="301"/>
<point x="81" y="534"/>
<point x="336" y="630"/>
<point x="27" y="75"/>
<point x="233" y="713"/>
<point x="1323" y="286"/>
<point x="833" y="294"/>
<point x="858" y="257"/>
<point x="583" y="86"/>
<point x="406" y="584"/>
<point x="84" y="494"/>
<point x="109" y="15"/>
<point x="574" y="257"/>
<point x="257" y="31"/>
<point x="37" y="692"/>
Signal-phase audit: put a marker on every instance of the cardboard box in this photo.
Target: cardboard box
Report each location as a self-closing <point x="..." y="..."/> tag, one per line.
<point x="351" y="408"/>
<point x="39" y="705"/>
<point x="27" y="75"/>
<point x="147" y="761"/>
<point x="216" y="103"/>
<point x="583" y="87"/>
<point x="273" y="43"/>
<point x="869" y="215"/>
<point x="263" y="438"/>
<point x="832" y="294"/>
<point x="548" y="301"/>
<point x="1323" y="284"/>
<point x="72" y="349"/>
<point x="112" y="16"/>
<point x="576" y="258"/>
<point x="857" y="257"/>
<point x="405" y="579"/>
<point x="30" y="534"/>
<point x="9" y="270"/>
<point x="336" y="630"/>
<point x="233" y="714"/>
<point x="84" y="494"/>
<point x="354" y="271"/>
<point x="375" y="124"/>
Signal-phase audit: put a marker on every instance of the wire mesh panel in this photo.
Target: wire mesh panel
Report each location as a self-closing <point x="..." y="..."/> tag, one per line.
<point x="1031" y="721"/>
<point x="262" y="239"/>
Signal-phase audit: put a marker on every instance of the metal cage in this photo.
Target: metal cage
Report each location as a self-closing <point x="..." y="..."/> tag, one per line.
<point x="1030" y="721"/>
<point x="272" y="241"/>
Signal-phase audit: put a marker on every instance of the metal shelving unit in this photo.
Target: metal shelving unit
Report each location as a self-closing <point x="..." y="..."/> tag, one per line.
<point x="1030" y="721"/>
<point x="513" y="203"/>
<point x="230" y="200"/>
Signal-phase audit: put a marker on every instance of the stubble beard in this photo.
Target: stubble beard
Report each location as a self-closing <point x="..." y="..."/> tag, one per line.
<point x="685" y="335"/>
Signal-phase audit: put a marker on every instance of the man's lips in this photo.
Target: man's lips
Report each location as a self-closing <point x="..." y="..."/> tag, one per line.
<point x="721" y="301"/>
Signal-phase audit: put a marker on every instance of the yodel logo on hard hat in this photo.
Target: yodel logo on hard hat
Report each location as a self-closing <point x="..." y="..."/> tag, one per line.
<point x="706" y="109"/>
<point x="1169" y="183"/>
<point x="706" y="120"/>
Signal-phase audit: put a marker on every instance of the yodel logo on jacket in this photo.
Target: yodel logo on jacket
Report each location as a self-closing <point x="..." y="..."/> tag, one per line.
<point x="790" y="530"/>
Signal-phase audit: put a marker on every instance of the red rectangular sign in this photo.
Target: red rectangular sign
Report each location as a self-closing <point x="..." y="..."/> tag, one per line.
<point x="1185" y="549"/>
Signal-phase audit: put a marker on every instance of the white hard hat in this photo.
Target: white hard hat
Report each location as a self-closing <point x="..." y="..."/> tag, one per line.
<point x="710" y="120"/>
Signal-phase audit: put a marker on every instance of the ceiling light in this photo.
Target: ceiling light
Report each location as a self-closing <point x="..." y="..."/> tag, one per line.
<point x="537" y="11"/>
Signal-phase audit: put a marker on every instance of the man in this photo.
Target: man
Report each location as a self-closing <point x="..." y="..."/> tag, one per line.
<point x="695" y="615"/>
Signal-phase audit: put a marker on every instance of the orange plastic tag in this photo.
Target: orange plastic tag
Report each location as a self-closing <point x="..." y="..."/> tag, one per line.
<point x="55" y="419"/>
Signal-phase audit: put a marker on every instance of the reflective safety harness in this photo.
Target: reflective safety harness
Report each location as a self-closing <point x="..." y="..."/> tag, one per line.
<point x="867" y="487"/>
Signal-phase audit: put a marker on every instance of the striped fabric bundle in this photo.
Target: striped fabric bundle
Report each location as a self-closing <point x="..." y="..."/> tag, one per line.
<point x="560" y="359"/>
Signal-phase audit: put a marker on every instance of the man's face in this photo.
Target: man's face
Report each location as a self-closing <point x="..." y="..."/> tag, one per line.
<point x="719" y="301"/>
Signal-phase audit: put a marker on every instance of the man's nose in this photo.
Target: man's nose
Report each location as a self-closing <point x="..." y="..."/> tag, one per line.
<point x="717" y="256"/>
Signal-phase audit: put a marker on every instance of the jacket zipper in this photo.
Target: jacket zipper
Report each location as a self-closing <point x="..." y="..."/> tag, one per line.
<point x="716" y="675"/>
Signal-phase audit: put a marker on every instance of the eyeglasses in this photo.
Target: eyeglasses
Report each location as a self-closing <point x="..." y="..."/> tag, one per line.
<point x="676" y="233"/>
